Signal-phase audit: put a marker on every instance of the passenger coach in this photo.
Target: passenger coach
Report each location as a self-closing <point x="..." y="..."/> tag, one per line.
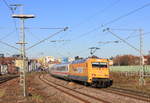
<point x="60" y="70"/>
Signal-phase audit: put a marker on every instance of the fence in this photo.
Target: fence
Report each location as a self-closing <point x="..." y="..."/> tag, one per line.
<point x="130" y="70"/>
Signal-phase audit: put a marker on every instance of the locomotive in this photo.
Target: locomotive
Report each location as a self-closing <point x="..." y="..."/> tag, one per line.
<point x="90" y="71"/>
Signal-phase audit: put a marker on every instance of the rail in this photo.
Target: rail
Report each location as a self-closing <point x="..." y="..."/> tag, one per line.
<point x="65" y="90"/>
<point x="7" y="78"/>
<point x="129" y="93"/>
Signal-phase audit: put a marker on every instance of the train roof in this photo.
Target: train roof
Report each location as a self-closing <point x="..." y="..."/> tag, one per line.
<point x="83" y="60"/>
<point x="79" y="61"/>
<point x="63" y="64"/>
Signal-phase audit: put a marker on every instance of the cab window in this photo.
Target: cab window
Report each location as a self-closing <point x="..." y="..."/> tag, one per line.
<point x="99" y="64"/>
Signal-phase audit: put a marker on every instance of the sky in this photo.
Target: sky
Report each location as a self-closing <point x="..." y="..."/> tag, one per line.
<point x="86" y="20"/>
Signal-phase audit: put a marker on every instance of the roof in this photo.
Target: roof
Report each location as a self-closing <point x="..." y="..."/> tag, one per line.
<point x="79" y="61"/>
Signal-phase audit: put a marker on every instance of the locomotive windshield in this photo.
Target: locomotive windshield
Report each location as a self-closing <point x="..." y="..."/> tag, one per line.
<point x="99" y="64"/>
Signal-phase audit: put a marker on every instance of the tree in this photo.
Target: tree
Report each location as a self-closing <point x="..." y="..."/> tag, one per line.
<point x="126" y="60"/>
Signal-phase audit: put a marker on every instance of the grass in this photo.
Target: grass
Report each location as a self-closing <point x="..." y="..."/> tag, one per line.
<point x="2" y="92"/>
<point x="130" y="82"/>
<point x="37" y="95"/>
<point x="37" y="98"/>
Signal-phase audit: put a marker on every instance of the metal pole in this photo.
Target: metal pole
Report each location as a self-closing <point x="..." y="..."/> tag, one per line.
<point x="22" y="53"/>
<point x="141" y="79"/>
<point x="22" y="43"/>
<point x="24" y="57"/>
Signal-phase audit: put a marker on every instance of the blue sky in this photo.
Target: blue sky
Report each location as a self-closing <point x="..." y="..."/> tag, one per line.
<point x="81" y="16"/>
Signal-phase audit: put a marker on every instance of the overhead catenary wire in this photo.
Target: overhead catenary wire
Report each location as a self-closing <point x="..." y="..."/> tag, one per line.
<point x="127" y="14"/>
<point x="12" y="12"/>
<point x="15" y="27"/>
<point x="119" y="41"/>
<point x="42" y="28"/>
<point x="133" y="36"/>
<point x="92" y="30"/>
<point x="124" y="29"/>
<point x="97" y="13"/>
<point x="81" y="51"/>
<point x="130" y="36"/>
<point x="114" y="20"/>
<point x="8" y="34"/>
<point x="61" y="40"/>
<point x="64" y="49"/>
<point x="86" y="33"/>
<point x="32" y="34"/>
<point x="9" y="45"/>
<point x="8" y="6"/>
<point x="46" y="38"/>
<point x="147" y="33"/>
<point x="122" y="40"/>
<point x="28" y="29"/>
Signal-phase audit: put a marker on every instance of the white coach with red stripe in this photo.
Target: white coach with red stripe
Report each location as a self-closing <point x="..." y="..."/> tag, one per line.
<point x="60" y="70"/>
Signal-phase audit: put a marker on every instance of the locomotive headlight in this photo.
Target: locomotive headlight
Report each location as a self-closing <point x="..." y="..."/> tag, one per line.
<point x="93" y="75"/>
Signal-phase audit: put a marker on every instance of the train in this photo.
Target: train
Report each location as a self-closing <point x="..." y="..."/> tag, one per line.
<point x="90" y="71"/>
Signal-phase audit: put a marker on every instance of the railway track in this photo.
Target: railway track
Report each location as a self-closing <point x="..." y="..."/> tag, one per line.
<point x="73" y="93"/>
<point x="7" y="78"/>
<point x="129" y="93"/>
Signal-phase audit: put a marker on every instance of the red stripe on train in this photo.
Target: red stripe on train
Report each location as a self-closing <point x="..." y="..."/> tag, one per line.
<point x="60" y="72"/>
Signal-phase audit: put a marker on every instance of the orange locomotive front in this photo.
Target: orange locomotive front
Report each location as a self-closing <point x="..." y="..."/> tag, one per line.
<point x="91" y="71"/>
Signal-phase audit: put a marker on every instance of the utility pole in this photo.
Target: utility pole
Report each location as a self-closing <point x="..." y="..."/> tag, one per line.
<point x="141" y="79"/>
<point x="22" y="43"/>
